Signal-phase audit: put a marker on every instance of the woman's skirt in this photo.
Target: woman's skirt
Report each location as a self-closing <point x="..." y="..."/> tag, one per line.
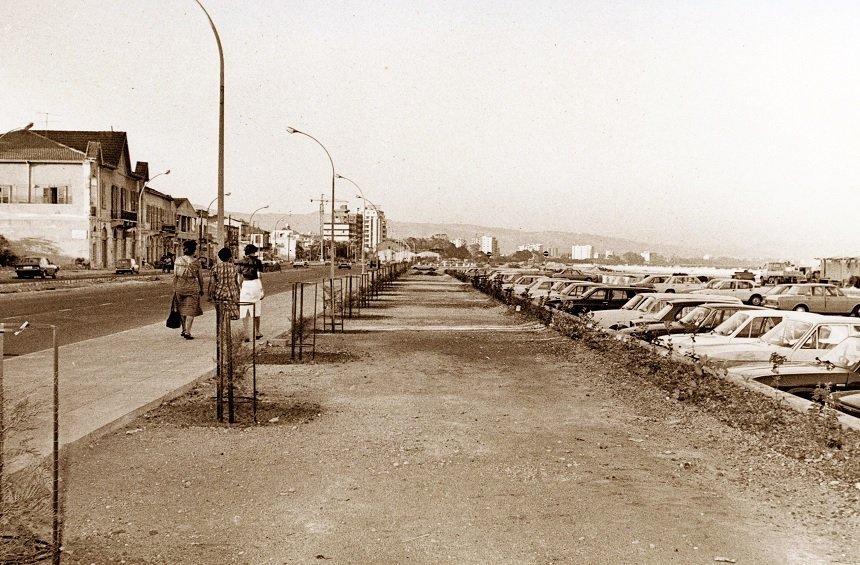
<point x="189" y="304"/>
<point x="251" y="294"/>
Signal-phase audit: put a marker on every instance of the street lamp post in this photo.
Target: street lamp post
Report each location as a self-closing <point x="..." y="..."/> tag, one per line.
<point x="141" y="215"/>
<point x="251" y="219"/>
<point x="294" y="130"/>
<point x="219" y="234"/>
<point x="25" y="128"/>
<point x="364" y="202"/>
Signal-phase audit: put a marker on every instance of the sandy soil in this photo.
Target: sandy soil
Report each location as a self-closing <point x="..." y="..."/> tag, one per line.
<point x="492" y="441"/>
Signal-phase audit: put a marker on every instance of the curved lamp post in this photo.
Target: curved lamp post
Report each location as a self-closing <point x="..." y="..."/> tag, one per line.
<point x="25" y="128"/>
<point x="333" y="174"/>
<point x="141" y="216"/>
<point x="219" y="233"/>
<point x="364" y="202"/>
<point x="252" y="217"/>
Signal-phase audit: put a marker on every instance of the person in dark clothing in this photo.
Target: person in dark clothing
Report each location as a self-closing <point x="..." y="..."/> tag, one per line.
<point x="250" y="269"/>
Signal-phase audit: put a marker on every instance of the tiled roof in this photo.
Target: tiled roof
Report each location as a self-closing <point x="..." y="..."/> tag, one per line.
<point x="30" y="146"/>
<point x="112" y="142"/>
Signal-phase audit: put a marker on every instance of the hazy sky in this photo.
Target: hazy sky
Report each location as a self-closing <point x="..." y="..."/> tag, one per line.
<point x="733" y="125"/>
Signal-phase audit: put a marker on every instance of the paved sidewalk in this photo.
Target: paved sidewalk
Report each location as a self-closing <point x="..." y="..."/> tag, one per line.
<point x="108" y="381"/>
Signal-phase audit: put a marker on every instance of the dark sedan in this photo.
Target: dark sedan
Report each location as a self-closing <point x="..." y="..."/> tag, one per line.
<point x="602" y="297"/>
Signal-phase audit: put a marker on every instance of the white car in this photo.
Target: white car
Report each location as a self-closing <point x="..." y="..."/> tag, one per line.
<point x="519" y="284"/>
<point x="672" y="283"/>
<point x="740" y="327"/>
<point x="542" y="287"/>
<point x="747" y="291"/>
<point x="801" y="338"/>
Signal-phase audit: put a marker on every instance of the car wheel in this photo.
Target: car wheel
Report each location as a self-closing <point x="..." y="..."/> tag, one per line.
<point x="801" y="308"/>
<point x="670" y="290"/>
<point x="755" y="300"/>
<point x="856" y="311"/>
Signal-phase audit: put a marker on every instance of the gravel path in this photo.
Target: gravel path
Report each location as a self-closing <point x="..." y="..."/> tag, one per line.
<point x="449" y="437"/>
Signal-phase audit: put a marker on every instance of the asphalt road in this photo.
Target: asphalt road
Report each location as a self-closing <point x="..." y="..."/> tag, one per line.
<point x="100" y="310"/>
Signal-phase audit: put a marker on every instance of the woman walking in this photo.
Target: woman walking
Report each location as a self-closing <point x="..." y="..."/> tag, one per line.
<point x="188" y="287"/>
<point x="252" y="291"/>
<point x="224" y="285"/>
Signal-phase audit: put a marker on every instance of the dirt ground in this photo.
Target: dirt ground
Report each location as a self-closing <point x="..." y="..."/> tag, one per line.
<point x="460" y="433"/>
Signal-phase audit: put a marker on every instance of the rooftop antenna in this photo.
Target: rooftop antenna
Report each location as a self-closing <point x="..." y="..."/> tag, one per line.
<point x="46" y="116"/>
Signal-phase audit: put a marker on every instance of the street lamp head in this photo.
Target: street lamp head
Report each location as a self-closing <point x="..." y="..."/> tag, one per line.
<point x="292" y="130"/>
<point x="167" y="172"/>
<point x="340" y="176"/>
<point x="227" y="193"/>
<point x="28" y="126"/>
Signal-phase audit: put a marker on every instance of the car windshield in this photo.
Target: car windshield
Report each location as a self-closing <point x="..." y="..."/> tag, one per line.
<point x="631" y="304"/>
<point x="696" y="316"/>
<point x="729" y="326"/>
<point x="653" y="306"/>
<point x="29" y="261"/>
<point x="715" y="284"/>
<point x="779" y="289"/>
<point x="558" y="286"/>
<point x="846" y="354"/>
<point x="787" y="333"/>
<point x="655" y="279"/>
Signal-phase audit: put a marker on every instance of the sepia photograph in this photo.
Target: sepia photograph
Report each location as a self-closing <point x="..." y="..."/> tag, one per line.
<point x="408" y="281"/>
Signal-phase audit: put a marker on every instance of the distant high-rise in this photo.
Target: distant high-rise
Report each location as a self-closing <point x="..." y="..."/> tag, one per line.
<point x="582" y="252"/>
<point x="489" y="244"/>
<point x="375" y="228"/>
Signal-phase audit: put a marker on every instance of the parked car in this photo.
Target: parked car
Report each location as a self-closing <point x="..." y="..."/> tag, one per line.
<point x="519" y="284"/>
<point x="645" y="303"/>
<point x="746" y="290"/>
<point x="838" y="367"/>
<point x="803" y="337"/>
<point x="126" y="266"/>
<point x="673" y="283"/>
<point x="301" y="264"/>
<point x="848" y="402"/>
<point x="571" y="291"/>
<point x="542" y="287"/>
<point x="669" y="307"/>
<point x="813" y="297"/>
<point x="701" y="319"/>
<point x="740" y="327"/>
<point x="31" y="267"/>
<point x="577" y="274"/>
<point x="602" y="297"/>
<point x="344" y="265"/>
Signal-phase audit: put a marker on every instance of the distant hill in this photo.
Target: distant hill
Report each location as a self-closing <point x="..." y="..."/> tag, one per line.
<point x="508" y="238"/>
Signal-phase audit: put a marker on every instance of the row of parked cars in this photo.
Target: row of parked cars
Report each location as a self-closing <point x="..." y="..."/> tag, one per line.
<point x="796" y="337"/>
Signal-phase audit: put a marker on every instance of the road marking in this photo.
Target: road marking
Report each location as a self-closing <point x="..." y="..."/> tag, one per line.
<point x="106" y="304"/>
<point x="65" y="310"/>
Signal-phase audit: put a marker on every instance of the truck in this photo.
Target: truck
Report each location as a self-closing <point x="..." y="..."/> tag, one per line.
<point x="781" y="272"/>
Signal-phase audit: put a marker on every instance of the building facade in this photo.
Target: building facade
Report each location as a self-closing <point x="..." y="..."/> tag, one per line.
<point x="70" y="194"/>
<point x="284" y="243"/>
<point x="581" y="252"/>
<point x="375" y="228"/>
<point x="489" y="244"/>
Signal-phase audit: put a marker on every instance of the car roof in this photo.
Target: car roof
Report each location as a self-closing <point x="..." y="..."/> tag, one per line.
<point x="703" y="299"/>
<point x="734" y="305"/>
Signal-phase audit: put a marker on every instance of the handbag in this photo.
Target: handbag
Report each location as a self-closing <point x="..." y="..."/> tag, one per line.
<point x="174" y="320"/>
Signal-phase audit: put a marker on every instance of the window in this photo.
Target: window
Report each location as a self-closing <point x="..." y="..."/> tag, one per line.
<point x="618" y="295"/>
<point x="830" y="336"/>
<point x="599" y="294"/>
<point x="103" y="196"/>
<point x="51" y="195"/>
<point x="817" y="291"/>
<point x="762" y="325"/>
<point x="745" y="285"/>
<point x="830" y="291"/>
<point x="6" y="194"/>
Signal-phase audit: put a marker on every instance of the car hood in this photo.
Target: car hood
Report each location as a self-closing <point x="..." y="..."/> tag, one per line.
<point x="745" y="352"/>
<point x="760" y="370"/>
<point x="609" y="317"/>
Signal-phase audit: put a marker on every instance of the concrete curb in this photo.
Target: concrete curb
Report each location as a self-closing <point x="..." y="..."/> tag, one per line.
<point x="125" y="420"/>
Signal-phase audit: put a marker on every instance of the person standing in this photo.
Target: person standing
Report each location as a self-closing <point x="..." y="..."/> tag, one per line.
<point x="188" y="287"/>
<point x="251" y="294"/>
<point x="224" y="285"/>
